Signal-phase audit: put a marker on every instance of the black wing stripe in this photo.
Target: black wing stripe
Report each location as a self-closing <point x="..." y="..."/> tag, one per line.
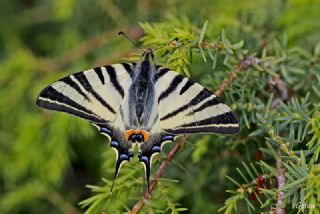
<point x="58" y="101"/>
<point x="85" y="83"/>
<point x="212" y="102"/>
<point x="203" y="94"/>
<point x="212" y="129"/>
<point x="59" y="107"/>
<point x="188" y="84"/>
<point x="113" y="78"/>
<point x="225" y="118"/>
<point x="160" y="73"/>
<point x="128" y="68"/>
<point x="98" y="71"/>
<point x="173" y="85"/>
<point x="75" y="86"/>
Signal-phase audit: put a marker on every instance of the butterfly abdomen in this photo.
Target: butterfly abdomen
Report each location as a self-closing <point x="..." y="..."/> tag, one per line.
<point x="142" y="95"/>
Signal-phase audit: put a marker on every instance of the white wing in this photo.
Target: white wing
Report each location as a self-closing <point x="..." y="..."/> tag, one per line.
<point x="186" y="107"/>
<point x="95" y="94"/>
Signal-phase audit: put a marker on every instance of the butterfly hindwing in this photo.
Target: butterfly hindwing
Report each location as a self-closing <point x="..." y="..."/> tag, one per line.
<point x="149" y="149"/>
<point x="117" y="142"/>
<point x="186" y="107"/>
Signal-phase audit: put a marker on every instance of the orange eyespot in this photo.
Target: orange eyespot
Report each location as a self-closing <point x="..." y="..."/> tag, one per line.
<point x="136" y="131"/>
<point x="145" y="135"/>
<point x="128" y="133"/>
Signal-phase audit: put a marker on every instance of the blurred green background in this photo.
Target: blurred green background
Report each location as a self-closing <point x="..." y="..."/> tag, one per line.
<point x="47" y="158"/>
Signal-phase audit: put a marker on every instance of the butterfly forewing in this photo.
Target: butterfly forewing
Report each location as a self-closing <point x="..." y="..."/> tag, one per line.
<point x="95" y="94"/>
<point x="186" y="107"/>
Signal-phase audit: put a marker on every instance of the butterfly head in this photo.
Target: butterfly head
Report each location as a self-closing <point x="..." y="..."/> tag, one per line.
<point x="148" y="55"/>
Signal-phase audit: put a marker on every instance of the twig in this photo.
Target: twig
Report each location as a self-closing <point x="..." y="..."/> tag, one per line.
<point x="34" y="15"/>
<point x="243" y="65"/>
<point x="281" y="183"/>
<point x="114" y="12"/>
<point x="138" y="206"/>
<point x="144" y="199"/>
<point x="79" y="51"/>
<point x="86" y="47"/>
<point x="282" y="92"/>
<point x="58" y="201"/>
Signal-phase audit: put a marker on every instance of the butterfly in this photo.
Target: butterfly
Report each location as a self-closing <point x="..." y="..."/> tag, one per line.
<point x="141" y="104"/>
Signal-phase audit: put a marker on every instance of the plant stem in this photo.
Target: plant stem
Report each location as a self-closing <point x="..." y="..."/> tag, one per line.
<point x="60" y="203"/>
<point x="281" y="183"/>
<point x="137" y="207"/>
<point x="245" y="62"/>
<point x="80" y="50"/>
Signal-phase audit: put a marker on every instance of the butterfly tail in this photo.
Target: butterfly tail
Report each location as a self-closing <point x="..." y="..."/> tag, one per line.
<point x="146" y="161"/>
<point x="149" y="149"/>
<point x="121" y="159"/>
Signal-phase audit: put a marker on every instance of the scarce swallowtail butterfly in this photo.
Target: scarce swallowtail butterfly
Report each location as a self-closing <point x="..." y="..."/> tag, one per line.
<point x="139" y="103"/>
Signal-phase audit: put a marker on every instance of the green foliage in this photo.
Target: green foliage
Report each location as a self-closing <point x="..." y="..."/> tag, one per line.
<point x="177" y="40"/>
<point x="48" y="158"/>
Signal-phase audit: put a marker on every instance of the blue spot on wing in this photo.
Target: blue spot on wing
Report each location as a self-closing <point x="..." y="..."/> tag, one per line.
<point x="156" y="149"/>
<point x="105" y="130"/>
<point x="144" y="159"/>
<point x="168" y="137"/>
<point x="114" y="144"/>
<point x="123" y="157"/>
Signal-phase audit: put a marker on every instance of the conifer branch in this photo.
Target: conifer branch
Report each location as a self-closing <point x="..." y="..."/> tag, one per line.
<point x="226" y="84"/>
<point x="243" y="65"/>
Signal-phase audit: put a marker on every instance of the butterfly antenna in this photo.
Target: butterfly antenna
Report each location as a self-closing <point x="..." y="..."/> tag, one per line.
<point x="130" y="40"/>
